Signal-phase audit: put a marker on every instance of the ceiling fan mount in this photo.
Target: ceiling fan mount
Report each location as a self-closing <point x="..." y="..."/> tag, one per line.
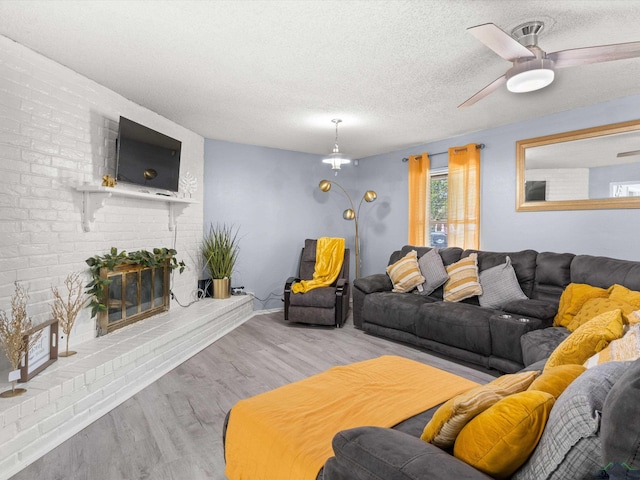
<point x="532" y="68"/>
<point x="527" y="33"/>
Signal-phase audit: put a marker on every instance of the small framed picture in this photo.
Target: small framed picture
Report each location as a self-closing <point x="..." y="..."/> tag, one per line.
<point x="43" y="353"/>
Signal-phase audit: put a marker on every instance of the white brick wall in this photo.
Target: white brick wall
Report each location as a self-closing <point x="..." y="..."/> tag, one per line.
<point x="58" y="131"/>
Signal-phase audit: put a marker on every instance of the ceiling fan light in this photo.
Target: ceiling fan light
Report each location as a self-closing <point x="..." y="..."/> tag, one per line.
<point x="530" y="76"/>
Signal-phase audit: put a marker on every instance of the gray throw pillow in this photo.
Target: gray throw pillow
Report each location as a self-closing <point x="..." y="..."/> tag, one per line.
<point x="499" y="286"/>
<point x="433" y="271"/>
<point x="570" y="446"/>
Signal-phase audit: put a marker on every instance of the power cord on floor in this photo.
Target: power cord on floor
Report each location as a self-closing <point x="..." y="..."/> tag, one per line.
<point x="200" y="294"/>
<point x="274" y="294"/>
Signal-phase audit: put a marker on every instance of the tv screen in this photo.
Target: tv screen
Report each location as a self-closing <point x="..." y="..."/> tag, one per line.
<point x="146" y="157"/>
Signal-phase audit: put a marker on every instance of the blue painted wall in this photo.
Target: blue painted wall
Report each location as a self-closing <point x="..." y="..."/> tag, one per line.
<point x="596" y="232"/>
<point x="273" y="197"/>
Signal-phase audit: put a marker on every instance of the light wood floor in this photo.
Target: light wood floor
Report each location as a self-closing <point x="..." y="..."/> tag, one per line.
<point x="173" y="428"/>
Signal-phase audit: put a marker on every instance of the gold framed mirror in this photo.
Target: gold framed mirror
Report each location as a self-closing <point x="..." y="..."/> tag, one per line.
<point x="588" y="169"/>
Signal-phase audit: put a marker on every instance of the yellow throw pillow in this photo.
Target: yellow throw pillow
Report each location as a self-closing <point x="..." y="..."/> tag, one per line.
<point x="573" y="298"/>
<point x="453" y="415"/>
<point x="623" y="294"/>
<point x="620" y="350"/>
<point x="555" y="380"/>
<point x="405" y="273"/>
<point x="594" y="307"/>
<point x="588" y="339"/>
<point x="463" y="279"/>
<point x="500" y="439"/>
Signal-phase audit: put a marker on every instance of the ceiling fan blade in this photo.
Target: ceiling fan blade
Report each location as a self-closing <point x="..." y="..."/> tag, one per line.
<point x="601" y="53"/>
<point x="500" y="42"/>
<point x="497" y="83"/>
<point x="628" y="154"/>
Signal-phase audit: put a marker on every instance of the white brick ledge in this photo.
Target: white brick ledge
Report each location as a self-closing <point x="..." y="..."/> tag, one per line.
<point x="77" y="390"/>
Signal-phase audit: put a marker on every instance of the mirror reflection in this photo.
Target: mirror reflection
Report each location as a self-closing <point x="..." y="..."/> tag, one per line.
<point x="583" y="169"/>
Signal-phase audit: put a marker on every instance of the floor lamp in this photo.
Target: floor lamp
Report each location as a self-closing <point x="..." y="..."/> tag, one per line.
<point x="350" y="213"/>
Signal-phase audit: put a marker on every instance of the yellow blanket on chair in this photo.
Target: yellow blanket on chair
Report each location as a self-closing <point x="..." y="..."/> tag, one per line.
<point x="329" y="257"/>
<point x="286" y="433"/>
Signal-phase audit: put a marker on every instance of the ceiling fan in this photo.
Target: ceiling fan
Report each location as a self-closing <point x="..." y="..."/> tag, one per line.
<point x="533" y="68"/>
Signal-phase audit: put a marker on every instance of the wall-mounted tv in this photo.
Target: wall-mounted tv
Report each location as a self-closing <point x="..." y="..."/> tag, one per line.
<point x="146" y="157"/>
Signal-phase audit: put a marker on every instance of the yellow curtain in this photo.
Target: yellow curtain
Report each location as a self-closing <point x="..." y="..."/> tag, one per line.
<point x="418" y="198"/>
<point x="464" y="197"/>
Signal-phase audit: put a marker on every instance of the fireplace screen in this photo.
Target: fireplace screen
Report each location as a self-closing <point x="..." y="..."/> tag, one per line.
<point x="134" y="293"/>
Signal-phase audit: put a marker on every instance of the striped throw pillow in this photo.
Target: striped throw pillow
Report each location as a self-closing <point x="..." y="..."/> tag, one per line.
<point x="447" y="422"/>
<point x="405" y="273"/>
<point x="621" y="350"/>
<point x="463" y="279"/>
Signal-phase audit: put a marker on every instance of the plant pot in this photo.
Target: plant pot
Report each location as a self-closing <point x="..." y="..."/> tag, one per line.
<point x="221" y="288"/>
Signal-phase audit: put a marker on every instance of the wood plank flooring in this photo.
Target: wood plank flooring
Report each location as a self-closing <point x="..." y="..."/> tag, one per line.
<point x="172" y="430"/>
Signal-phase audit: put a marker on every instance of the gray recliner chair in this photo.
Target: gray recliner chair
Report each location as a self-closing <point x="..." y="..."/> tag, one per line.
<point x="320" y="306"/>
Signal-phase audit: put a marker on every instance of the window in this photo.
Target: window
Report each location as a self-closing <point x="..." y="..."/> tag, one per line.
<point x="437" y="225"/>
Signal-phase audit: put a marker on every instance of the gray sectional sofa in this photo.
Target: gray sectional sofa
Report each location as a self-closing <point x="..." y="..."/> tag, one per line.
<point x="591" y="433"/>
<point x="506" y="339"/>
<point x="592" y="430"/>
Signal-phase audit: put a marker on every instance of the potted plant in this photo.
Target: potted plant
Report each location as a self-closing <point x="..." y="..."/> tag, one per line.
<point x="219" y="252"/>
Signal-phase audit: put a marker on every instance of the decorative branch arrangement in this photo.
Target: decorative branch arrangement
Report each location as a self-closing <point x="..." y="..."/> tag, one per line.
<point x="13" y="332"/>
<point x="97" y="287"/>
<point x="65" y="310"/>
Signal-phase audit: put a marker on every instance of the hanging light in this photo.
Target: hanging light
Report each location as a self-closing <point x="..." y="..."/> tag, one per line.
<point x="336" y="158"/>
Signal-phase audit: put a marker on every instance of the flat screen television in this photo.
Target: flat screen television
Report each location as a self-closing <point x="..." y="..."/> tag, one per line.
<point x="146" y="157"/>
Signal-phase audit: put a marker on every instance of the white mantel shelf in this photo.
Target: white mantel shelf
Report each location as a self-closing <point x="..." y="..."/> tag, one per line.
<point x="94" y="197"/>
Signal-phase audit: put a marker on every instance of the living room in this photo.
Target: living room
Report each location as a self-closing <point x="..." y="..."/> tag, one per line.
<point x="59" y="130"/>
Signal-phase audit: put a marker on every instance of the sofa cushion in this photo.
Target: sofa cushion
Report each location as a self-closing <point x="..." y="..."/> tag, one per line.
<point x="454" y="414"/>
<point x="500" y="439"/>
<point x="499" y="286"/>
<point x="399" y="311"/>
<point x="603" y="272"/>
<point x="433" y="271"/>
<point x="570" y="446"/>
<point x="588" y="339"/>
<point x="405" y="273"/>
<point x="537" y="345"/>
<point x="455" y="324"/>
<point x="553" y="274"/>
<point x="620" y="418"/>
<point x="382" y="453"/>
<point x="463" y="281"/>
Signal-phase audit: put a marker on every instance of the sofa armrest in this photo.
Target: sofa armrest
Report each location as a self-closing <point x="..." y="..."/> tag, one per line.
<point x="378" y="282"/>
<point x="374" y="453"/>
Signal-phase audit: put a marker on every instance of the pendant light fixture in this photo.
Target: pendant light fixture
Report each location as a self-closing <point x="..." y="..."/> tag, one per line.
<point x="335" y="158"/>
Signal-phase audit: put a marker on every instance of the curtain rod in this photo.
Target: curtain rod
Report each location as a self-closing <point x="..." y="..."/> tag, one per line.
<point x="461" y="149"/>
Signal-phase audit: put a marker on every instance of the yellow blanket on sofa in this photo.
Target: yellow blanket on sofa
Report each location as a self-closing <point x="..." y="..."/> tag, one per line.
<point x="329" y="258"/>
<point x="286" y="433"/>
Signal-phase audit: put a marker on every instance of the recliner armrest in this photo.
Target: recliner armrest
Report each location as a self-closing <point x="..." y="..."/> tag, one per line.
<point x="373" y="453"/>
<point x="289" y="282"/>
<point x="378" y="282"/>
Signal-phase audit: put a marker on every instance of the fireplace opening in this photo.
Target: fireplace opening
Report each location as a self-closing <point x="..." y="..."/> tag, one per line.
<point x="134" y="292"/>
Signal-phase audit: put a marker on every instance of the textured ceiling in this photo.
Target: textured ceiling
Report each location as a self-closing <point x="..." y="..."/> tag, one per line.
<point x="274" y="73"/>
